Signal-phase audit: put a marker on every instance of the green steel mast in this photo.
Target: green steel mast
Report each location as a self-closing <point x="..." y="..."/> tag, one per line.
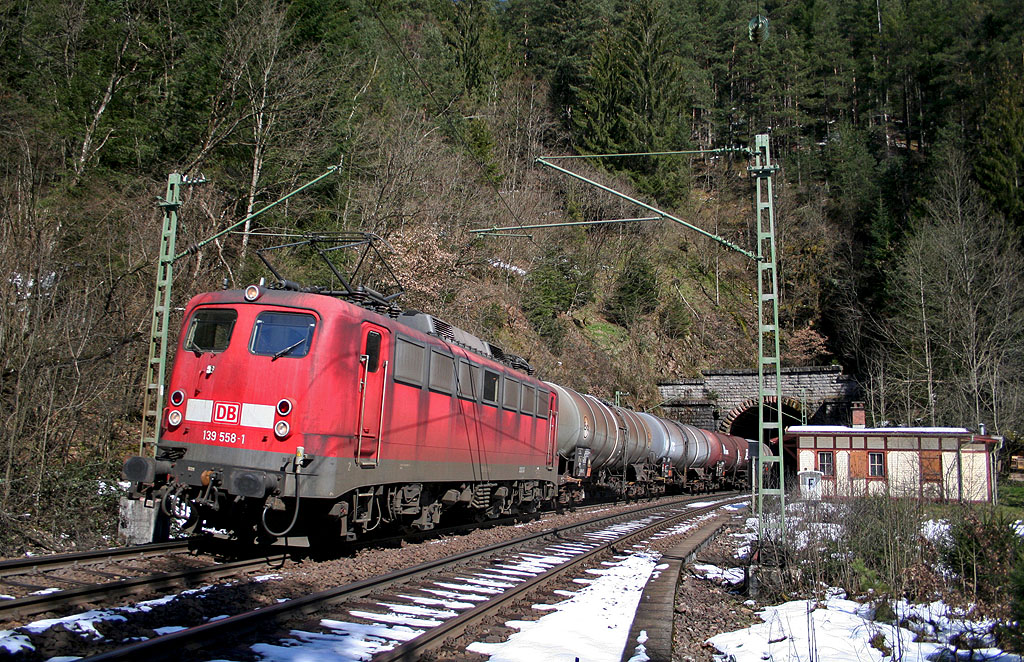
<point x="771" y="511"/>
<point x="770" y="468"/>
<point x="156" y="364"/>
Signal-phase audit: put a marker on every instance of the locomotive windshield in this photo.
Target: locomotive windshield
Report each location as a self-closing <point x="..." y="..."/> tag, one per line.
<point x="282" y="334"/>
<point x="210" y="330"/>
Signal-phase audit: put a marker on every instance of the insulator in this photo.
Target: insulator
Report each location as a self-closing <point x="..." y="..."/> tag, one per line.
<point x="757" y="29"/>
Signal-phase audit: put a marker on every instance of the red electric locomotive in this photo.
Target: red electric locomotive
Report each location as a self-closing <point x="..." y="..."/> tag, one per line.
<point x="297" y="414"/>
<point x="310" y="412"/>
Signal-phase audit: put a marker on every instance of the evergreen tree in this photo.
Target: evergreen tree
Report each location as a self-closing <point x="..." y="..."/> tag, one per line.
<point x="554" y="287"/>
<point x="635" y="293"/>
<point x="999" y="163"/>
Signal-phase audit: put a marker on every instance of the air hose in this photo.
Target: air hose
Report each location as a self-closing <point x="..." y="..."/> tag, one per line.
<point x="300" y="454"/>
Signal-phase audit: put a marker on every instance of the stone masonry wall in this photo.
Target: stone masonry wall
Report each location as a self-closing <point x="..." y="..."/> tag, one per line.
<point x="705" y="402"/>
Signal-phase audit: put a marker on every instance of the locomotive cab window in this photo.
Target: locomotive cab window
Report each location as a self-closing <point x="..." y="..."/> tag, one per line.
<point x="372" y="351"/>
<point x="278" y="335"/>
<point x="490" y="387"/>
<point x="210" y="330"/>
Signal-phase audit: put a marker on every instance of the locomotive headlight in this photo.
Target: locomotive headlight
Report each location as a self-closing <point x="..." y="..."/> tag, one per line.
<point x="174" y="418"/>
<point x="177" y="397"/>
<point x="281" y="429"/>
<point x="252" y="293"/>
<point x="284" y="407"/>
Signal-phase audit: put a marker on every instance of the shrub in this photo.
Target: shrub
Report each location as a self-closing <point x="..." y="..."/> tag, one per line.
<point x="635" y="293"/>
<point x="555" y="286"/>
<point x="982" y="551"/>
<point x="675" y="319"/>
<point x="879" y="643"/>
<point x="1014" y="633"/>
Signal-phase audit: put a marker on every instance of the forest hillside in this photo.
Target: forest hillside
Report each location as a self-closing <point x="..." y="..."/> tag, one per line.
<point x="898" y="124"/>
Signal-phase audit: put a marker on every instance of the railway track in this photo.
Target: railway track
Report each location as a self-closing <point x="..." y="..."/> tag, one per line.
<point x="103" y="575"/>
<point x="493" y="576"/>
<point x="116" y="574"/>
<point x="38" y="564"/>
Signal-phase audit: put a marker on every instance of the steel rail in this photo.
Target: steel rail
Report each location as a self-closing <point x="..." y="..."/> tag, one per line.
<point x="183" y="643"/>
<point x="436" y="636"/>
<point x="30" y="564"/>
<point x="37" y="604"/>
<point x="456" y="529"/>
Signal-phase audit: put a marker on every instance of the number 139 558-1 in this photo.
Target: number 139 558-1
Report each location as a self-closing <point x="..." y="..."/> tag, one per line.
<point x="223" y="437"/>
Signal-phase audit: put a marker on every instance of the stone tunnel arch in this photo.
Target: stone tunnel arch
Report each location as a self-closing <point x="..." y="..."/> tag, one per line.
<point x="742" y="420"/>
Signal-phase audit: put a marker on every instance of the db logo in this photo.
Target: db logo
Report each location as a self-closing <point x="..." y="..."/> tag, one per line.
<point x="227" y="412"/>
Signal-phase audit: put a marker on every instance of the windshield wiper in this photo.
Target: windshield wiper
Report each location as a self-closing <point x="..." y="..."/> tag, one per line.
<point x="287" y="349"/>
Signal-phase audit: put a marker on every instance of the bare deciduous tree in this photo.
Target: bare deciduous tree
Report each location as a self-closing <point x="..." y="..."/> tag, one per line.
<point x="956" y="324"/>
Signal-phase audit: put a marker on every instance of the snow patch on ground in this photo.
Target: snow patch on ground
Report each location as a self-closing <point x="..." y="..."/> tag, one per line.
<point x="940" y="622"/>
<point x="640" y="652"/>
<point x="841" y="630"/>
<point x="12" y="642"/>
<point x="838" y="630"/>
<point x="345" y="641"/>
<point x="85" y="623"/>
<point x="591" y="625"/>
<point x="733" y="576"/>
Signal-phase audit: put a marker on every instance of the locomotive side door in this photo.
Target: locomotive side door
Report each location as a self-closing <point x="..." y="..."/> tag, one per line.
<point x="374" y="350"/>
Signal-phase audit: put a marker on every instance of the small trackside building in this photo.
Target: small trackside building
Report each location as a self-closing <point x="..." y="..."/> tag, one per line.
<point x="942" y="464"/>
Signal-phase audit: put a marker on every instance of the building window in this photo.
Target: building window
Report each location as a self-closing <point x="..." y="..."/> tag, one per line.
<point x="876" y="464"/>
<point x="825" y="463"/>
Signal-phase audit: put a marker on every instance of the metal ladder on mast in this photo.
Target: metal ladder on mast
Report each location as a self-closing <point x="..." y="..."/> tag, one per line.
<point x="771" y="526"/>
<point x="153" y="400"/>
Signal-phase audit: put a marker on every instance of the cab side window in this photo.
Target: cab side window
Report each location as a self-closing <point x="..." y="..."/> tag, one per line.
<point x="372" y="351"/>
<point x="542" y="404"/>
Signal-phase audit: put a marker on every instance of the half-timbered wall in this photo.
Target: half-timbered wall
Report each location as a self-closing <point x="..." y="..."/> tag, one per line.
<point x="932" y="463"/>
